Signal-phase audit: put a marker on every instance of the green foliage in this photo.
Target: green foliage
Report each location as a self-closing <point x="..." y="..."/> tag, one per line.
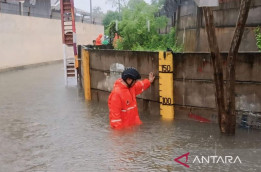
<point x="110" y="17"/>
<point x="258" y="37"/>
<point x="111" y="30"/>
<point x="134" y="28"/>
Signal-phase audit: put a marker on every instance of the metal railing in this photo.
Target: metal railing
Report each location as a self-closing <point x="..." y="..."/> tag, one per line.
<point x="20" y="9"/>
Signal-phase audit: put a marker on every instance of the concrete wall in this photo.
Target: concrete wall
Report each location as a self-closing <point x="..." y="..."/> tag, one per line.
<point x="41" y="8"/>
<point x="193" y="81"/>
<point x="225" y="15"/>
<point x="196" y="40"/>
<point x="191" y="26"/>
<point x="194" y="88"/>
<point x="28" y="40"/>
<point x="9" y="7"/>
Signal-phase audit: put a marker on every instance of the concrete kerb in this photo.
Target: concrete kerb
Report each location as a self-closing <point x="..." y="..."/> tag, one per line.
<point x="16" y="68"/>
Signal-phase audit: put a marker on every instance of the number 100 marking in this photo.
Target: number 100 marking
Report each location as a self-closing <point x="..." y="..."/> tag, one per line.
<point x="166" y="101"/>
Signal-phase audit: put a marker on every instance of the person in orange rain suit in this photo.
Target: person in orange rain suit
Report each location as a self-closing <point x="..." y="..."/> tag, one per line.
<point x="115" y="39"/>
<point x="123" y="111"/>
<point x="98" y="40"/>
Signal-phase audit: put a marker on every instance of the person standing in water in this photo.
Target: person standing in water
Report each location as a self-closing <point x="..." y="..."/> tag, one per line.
<point x="123" y="110"/>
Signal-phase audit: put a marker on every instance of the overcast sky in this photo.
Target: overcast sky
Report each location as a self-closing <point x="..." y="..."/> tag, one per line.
<point x="105" y="6"/>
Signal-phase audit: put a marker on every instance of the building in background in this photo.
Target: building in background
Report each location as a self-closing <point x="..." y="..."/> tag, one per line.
<point x="39" y="8"/>
<point x="36" y="8"/>
<point x="81" y="15"/>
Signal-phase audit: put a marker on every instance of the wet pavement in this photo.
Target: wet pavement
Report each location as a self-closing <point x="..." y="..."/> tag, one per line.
<point x="45" y="126"/>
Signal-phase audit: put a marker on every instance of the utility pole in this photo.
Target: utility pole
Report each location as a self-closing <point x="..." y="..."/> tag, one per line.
<point x="91" y="10"/>
<point x="119" y="1"/>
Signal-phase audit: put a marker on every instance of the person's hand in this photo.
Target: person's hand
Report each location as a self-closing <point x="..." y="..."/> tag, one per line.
<point x="151" y="77"/>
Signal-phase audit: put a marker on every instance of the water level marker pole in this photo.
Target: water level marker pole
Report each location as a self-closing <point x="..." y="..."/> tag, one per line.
<point x="166" y="85"/>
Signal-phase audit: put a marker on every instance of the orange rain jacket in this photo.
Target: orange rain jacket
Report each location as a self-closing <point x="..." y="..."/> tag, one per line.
<point x="123" y="105"/>
<point x="98" y="40"/>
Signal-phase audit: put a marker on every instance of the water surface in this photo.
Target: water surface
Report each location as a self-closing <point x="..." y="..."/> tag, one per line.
<point x="45" y="126"/>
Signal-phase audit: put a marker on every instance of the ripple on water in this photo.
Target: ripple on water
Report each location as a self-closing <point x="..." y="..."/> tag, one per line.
<point x="45" y="126"/>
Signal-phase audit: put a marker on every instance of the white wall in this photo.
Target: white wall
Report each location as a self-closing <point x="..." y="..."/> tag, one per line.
<point x="29" y="40"/>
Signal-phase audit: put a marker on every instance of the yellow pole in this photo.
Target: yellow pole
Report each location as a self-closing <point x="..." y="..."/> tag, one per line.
<point x="166" y="85"/>
<point x="86" y="74"/>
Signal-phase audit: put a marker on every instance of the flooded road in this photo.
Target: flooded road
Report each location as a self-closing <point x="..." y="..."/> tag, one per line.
<point x="45" y="126"/>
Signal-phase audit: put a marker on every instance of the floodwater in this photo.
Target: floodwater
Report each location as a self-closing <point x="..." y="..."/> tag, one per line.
<point x="45" y="126"/>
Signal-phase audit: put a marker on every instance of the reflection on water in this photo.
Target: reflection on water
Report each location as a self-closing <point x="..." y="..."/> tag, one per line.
<point x="45" y="126"/>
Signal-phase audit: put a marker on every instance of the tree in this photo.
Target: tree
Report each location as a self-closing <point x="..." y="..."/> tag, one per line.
<point x="139" y="27"/>
<point x="111" y="30"/>
<point x="226" y="95"/>
<point x="118" y="3"/>
<point x="170" y="6"/>
<point x="109" y="17"/>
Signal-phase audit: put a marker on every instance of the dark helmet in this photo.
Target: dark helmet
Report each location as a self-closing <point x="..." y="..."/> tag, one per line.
<point x="130" y="72"/>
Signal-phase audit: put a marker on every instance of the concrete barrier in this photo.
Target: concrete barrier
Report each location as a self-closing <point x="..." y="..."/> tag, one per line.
<point x="194" y="92"/>
<point x="28" y="40"/>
